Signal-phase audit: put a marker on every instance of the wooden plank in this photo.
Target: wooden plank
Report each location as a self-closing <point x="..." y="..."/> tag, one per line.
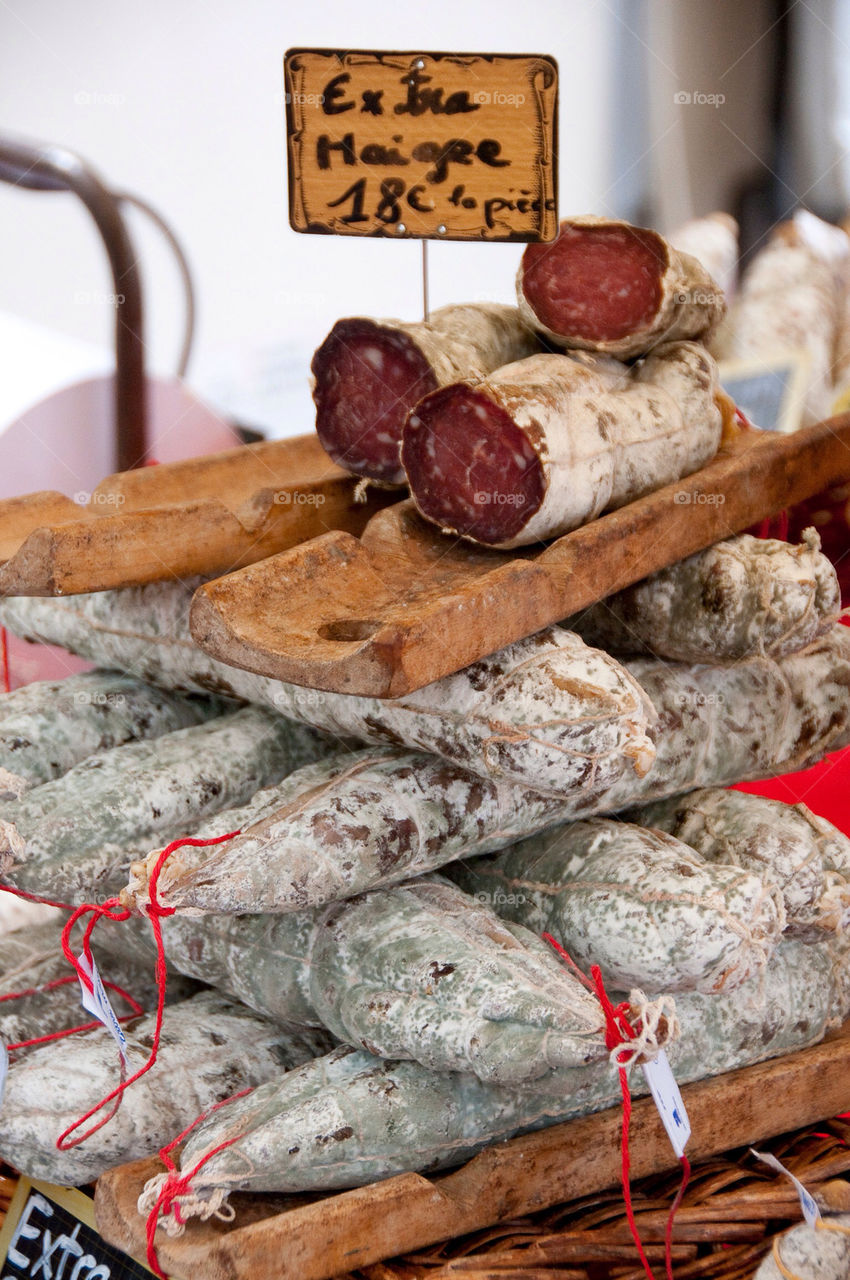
<point x="371" y="615"/>
<point x="320" y="1238"/>
<point x="203" y="516"/>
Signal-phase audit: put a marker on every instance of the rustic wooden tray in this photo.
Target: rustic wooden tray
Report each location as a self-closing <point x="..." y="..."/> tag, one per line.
<point x="373" y="615"/>
<point x="8" y="1182"/>
<point x="315" y="1238"/>
<point x="201" y="516"/>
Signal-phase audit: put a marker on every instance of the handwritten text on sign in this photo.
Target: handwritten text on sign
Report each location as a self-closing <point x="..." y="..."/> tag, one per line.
<point x="442" y="146"/>
<point x="50" y="1232"/>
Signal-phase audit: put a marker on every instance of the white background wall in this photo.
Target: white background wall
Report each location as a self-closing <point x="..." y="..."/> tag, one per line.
<point x="181" y="101"/>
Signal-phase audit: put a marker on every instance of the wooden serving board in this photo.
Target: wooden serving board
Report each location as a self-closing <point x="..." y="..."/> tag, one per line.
<point x="402" y="605"/>
<point x="314" y="1238"/>
<point x="203" y="515"/>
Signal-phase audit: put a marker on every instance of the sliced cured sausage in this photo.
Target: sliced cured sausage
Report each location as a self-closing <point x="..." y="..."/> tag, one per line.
<point x="368" y="375"/>
<point x="548" y="443"/>
<point x="607" y="286"/>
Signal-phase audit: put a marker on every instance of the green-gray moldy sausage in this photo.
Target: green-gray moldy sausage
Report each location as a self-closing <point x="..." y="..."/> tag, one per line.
<point x="742" y="597"/>
<point x="342" y="826"/>
<point x="638" y="903"/>
<point x="33" y="957"/>
<point x="546" y="712"/>
<point x="210" y="1048"/>
<point x="85" y="876"/>
<point x="419" y="971"/>
<point x="347" y="1119"/>
<point x="821" y="1252"/>
<point x="48" y="727"/>
<point x="424" y="971"/>
<point x="121" y="799"/>
<point x="805" y="856"/>
<point x="756" y="719"/>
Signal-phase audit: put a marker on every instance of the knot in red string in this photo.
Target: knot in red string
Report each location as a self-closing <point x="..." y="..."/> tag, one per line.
<point x="176" y="1185"/>
<point x="619" y="1031"/>
<point x="112" y="909"/>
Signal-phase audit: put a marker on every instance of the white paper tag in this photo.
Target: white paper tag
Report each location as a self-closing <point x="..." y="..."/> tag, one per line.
<point x="807" y="1203"/>
<point x="4" y="1069"/>
<point x="96" y="1002"/>
<point x="668" y="1100"/>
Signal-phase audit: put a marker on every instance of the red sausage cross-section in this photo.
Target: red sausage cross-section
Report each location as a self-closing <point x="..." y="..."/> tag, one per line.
<point x="548" y="443"/>
<point x="369" y="374"/>
<point x="610" y="287"/>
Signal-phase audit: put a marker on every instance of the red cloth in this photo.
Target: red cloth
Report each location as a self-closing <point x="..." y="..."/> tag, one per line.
<point x="825" y="788"/>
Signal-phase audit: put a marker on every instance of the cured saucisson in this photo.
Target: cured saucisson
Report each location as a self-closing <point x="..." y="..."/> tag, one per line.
<point x="546" y="713"/>
<point x="349" y="823"/>
<point x="390" y="1117"/>
<point x="548" y="443"/>
<point x="756" y="719"/>
<point x="789" y="300"/>
<point x="51" y="725"/>
<point x="742" y="597"/>
<point x="638" y="903"/>
<point x="418" y="971"/>
<point x="608" y="286"/>
<point x="210" y="1048"/>
<point x="821" y="1252"/>
<point x="80" y="830"/>
<point x="786" y="845"/>
<point x="368" y="374"/>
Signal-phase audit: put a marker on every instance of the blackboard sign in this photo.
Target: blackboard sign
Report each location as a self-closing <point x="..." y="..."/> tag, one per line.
<point x="459" y="146"/>
<point x="770" y="392"/>
<point x="49" y="1232"/>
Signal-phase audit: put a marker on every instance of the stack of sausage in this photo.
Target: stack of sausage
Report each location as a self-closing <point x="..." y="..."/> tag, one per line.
<point x="368" y="942"/>
<point x="507" y="444"/>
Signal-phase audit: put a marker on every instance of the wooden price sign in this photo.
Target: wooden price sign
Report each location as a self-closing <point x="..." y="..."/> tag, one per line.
<point x="427" y="145"/>
<point x="50" y="1231"/>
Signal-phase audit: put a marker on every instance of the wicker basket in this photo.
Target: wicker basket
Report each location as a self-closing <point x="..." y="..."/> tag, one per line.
<point x="731" y="1212"/>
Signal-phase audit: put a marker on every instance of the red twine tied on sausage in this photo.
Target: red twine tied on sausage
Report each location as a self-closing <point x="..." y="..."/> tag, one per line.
<point x="176" y="1185"/>
<point x="136" y="1008"/>
<point x="619" y="1031"/>
<point x="59" y="982"/>
<point x="34" y="897"/>
<point x="112" y="910"/>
